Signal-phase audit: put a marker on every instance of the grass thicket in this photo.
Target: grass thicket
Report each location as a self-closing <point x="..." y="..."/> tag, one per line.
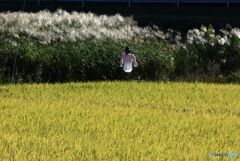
<point x="118" y="121"/>
<point x="82" y="61"/>
<point x="64" y="47"/>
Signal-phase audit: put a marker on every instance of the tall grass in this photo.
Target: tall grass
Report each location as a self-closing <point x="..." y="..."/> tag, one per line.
<point x="118" y="121"/>
<point x="62" y="46"/>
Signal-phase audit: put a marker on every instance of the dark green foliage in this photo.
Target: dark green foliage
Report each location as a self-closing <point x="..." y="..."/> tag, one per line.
<point x="30" y="61"/>
<point x="26" y="60"/>
<point x="209" y="63"/>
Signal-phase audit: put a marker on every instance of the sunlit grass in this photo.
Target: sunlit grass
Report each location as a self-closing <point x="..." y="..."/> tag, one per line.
<point x="119" y="121"/>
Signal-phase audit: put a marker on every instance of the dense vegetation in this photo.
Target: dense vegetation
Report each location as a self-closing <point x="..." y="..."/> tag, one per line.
<point x="62" y="46"/>
<point x="119" y="121"/>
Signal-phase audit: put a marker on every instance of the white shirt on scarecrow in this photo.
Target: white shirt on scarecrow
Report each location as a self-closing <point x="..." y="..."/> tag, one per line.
<point x="128" y="60"/>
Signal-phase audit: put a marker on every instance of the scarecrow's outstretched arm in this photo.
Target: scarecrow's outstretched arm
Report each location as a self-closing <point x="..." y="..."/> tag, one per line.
<point x="121" y="61"/>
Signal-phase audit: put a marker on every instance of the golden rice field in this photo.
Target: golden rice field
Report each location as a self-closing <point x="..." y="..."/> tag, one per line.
<point x="119" y="121"/>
